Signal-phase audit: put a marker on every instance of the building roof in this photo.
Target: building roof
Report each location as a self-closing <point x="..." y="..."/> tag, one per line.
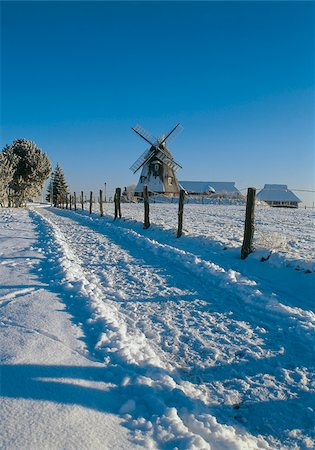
<point x="202" y="187"/>
<point x="277" y="193"/>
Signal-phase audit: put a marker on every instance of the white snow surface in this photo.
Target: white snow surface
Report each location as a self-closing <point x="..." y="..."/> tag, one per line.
<point x="115" y="337"/>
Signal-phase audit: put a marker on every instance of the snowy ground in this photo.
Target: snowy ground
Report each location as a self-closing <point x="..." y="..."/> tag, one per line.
<point x="287" y="233"/>
<point x="118" y="337"/>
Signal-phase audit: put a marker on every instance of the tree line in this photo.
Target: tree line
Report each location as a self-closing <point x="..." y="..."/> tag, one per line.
<point x="24" y="168"/>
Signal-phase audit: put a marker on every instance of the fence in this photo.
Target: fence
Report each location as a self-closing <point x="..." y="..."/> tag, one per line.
<point x="70" y="202"/>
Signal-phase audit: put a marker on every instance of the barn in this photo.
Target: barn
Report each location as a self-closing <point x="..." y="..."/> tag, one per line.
<point x="278" y="195"/>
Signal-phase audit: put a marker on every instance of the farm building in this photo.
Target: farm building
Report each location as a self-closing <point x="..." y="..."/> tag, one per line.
<point x="278" y="195"/>
<point x="216" y="188"/>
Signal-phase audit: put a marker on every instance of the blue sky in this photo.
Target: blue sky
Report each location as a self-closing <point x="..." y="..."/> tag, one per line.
<point x="239" y="77"/>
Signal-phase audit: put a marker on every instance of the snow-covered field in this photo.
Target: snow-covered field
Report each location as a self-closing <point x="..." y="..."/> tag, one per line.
<point x="287" y="235"/>
<point x="117" y="337"/>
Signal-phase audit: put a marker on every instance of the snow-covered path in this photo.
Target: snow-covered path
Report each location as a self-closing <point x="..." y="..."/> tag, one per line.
<point x="188" y="353"/>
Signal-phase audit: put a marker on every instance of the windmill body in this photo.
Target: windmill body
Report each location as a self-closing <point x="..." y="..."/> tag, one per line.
<point x="158" y="167"/>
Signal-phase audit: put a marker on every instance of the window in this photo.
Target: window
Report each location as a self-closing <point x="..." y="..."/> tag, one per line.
<point x="170" y="181"/>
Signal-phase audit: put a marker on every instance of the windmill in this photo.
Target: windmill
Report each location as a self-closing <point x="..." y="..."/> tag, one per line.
<point x="157" y="163"/>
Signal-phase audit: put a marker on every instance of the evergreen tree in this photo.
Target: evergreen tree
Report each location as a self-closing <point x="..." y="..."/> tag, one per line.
<point x="31" y="168"/>
<point x="58" y="185"/>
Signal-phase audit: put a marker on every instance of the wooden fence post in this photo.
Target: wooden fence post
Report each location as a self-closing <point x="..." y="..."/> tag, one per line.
<point x="82" y="201"/>
<point x="247" y="246"/>
<point x="180" y="212"/>
<point x="75" y="201"/>
<point x="70" y="201"/>
<point x="146" y="223"/>
<point x="101" y="203"/>
<point x="9" y="198"/>
<point x="91" y="201"/>
<point x="117" y="203"/>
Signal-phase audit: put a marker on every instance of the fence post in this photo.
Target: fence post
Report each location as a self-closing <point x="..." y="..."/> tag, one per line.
<point x="75" y="201"/>
<point x="70" y="201"/>
<point x="82" y="201"/>
<point x="101" y="203"/>
<point x="9" y="198"/>
<point x="247" y="246"/>
<point x="91" y="201"/>
<point x="180" y="212"/>
<point x="67" y="201"/>
<point x="146" y="223"/>
<point x="117" y="203"/>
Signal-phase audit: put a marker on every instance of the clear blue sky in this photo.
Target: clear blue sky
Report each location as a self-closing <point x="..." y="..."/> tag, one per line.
<point x="239" y="76"/>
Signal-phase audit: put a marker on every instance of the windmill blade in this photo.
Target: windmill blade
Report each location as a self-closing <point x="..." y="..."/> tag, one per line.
<point x="141" y="160"/>
<point x="172" y="135"/>
<point x="170" y="162"/>
<point x="168" y="135"/>
<point x="144" y="134"/>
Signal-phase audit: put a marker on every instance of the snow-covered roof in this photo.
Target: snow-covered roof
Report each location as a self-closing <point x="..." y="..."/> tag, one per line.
<point x="277" y="193"/>
<point x="200" y="187"/>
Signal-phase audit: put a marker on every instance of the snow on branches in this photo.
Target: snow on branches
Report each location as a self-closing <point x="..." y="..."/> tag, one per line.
<point x="23" y="170"/>
<point x="58" y="188"/>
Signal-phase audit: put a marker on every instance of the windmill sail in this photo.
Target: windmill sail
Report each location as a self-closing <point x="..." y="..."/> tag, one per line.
<point x="168" y="135"/>
<point x="141" y="160"/>
<point x="144" y="134"/>
<point x="173" y="134"/>
<point x="170" y="162"/>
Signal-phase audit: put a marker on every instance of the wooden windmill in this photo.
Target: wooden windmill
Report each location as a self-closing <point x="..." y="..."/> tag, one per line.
<point x="157" y="163"/>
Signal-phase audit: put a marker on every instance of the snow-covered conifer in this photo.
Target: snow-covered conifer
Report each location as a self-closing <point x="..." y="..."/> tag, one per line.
<point x="58" y="185"/>
<point x="31" y="168"/>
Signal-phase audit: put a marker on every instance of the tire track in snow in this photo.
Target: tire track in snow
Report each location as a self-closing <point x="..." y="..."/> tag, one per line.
<point x="134" y="351"/>
<point x="239" y="293"/>
<point x="229" y="292"/>
<point x="102" y="255"/>
<point x="142" y="290"/>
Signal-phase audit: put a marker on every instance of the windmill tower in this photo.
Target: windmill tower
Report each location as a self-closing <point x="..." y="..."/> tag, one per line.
<point x="157" y="163"/>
